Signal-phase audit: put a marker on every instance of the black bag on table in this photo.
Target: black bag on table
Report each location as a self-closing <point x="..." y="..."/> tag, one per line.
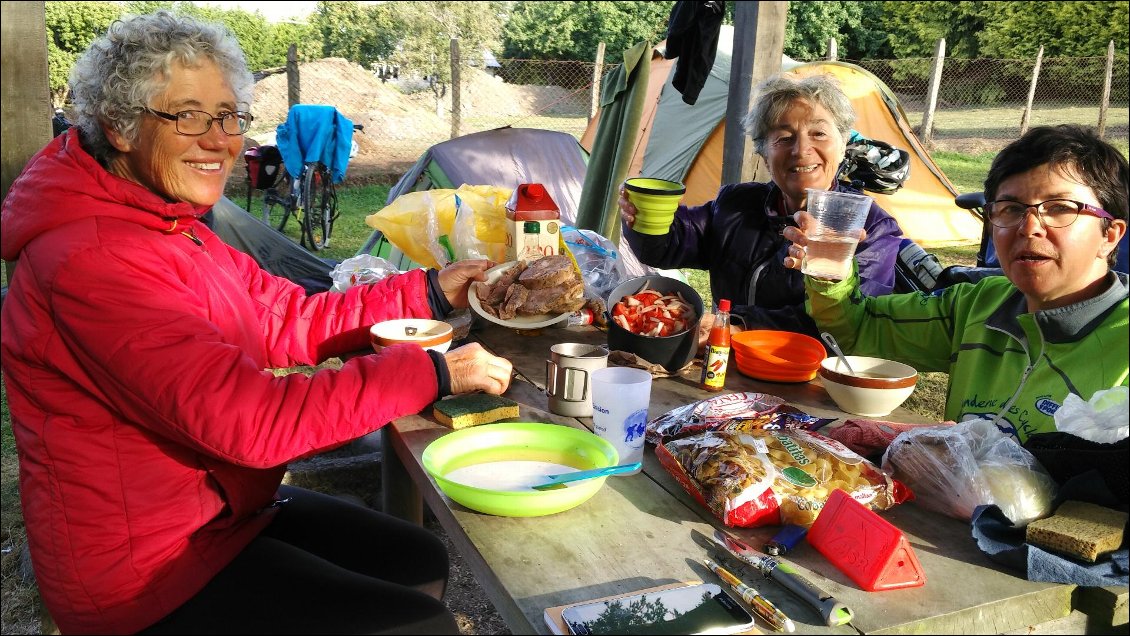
<point x="1065" y="456"/>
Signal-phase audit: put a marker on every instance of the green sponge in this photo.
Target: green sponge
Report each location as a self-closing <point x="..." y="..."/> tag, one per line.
<point x="473" y="409"/>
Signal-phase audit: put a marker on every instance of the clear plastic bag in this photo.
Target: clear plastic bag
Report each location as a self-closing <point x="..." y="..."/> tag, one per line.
<point x="1103" y="419"/>
<point x="601" y="266"/>
<point x="954" y="469"/>
<point x="362" y="269"/>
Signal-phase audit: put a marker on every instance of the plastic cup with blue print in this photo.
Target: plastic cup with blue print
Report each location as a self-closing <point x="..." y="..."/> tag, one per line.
<point x="837" y="218"/>
<point x="620" y="397"/>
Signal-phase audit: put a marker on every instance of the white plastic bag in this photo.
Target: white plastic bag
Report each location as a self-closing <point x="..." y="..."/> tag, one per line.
<point x="1104" y="419"/>
<point x="360" y="270"/>
<point x="954" y="469"/>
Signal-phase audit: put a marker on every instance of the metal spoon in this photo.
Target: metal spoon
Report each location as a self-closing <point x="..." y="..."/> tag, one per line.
<point x="831" y="340"/>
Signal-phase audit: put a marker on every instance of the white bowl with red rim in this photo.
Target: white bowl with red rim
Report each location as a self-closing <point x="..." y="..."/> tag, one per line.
<point x="430" y="334"/>
<point x="876" y="387"/>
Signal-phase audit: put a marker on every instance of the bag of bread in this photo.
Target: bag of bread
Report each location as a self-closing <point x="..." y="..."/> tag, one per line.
<point x="955" y="469"/>
<point x="767" y="477"/>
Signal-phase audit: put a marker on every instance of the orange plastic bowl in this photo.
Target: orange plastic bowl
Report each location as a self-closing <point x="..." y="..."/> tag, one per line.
<point x="777" y="356"/>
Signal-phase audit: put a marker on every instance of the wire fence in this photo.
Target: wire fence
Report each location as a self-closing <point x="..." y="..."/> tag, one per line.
<point x="979" y="107"/>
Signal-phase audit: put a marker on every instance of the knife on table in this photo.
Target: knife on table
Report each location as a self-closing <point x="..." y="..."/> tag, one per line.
<point x="832" y="611"/>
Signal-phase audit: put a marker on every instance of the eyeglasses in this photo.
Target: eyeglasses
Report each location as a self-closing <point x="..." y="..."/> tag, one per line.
<point x="198" y="122"/>
<point x="1052" y="213"/>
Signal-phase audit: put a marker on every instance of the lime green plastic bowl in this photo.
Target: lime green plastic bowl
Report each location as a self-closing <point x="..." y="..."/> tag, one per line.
<point x="518" y="441"/>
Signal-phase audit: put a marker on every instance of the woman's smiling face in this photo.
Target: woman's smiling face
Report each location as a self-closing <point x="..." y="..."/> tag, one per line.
<point x="804" y="151"/>
<point x="1054" y="266"/>
<point x="189" y="168"/>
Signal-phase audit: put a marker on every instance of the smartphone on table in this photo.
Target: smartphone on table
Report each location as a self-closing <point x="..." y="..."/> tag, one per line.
<point x="703" y="608"/>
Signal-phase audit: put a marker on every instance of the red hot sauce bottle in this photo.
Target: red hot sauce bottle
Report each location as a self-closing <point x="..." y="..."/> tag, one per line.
<point x="717" y="354"/>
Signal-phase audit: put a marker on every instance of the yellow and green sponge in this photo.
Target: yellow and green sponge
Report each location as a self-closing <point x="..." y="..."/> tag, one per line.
<point x="461" y="411"/>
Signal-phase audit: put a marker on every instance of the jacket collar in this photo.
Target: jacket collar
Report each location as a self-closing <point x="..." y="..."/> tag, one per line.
<point x="1063" y="324"/>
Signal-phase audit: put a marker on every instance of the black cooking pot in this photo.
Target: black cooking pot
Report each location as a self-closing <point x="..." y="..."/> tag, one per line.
<point x="672" y="352"/>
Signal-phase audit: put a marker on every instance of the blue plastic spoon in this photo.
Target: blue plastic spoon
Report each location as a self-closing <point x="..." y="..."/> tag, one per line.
<point x="560" y="481"/>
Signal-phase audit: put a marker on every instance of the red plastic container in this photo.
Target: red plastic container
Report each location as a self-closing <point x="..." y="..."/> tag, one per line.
<point x="864" y="546"/>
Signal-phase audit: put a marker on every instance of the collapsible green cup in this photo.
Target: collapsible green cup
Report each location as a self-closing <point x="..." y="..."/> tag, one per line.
<point x="656" y="201"/>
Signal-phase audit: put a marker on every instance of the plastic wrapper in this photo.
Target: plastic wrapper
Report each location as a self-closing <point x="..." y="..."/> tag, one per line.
<point x="421" y="224"/>
<point x="954" y="469"/>
<point x="767" y="477"/>
<point x="597" y="259"/>
<point x="1104" y="419"/>
<point x="730" y="411"/>
<point x="362" y="269"/>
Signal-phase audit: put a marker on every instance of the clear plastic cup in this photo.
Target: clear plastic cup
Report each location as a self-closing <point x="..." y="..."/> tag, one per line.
<point x="620" y="397"/>
<point x="834" y="234"/>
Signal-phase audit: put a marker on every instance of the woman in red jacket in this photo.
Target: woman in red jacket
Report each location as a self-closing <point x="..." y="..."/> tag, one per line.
<point x="152" y="441"/>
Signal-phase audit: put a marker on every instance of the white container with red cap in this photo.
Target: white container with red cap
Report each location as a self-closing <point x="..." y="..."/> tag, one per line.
<point x="533" y="227"/>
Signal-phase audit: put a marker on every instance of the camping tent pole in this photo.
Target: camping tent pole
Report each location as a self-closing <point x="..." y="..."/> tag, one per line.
<point x="759" y="43"/>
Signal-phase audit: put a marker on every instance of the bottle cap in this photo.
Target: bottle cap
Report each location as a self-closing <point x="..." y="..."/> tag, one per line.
<point x="724" y="305"/>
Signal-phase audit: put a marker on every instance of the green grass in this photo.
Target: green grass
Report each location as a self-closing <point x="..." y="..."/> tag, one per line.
<point x="965" y="171"/>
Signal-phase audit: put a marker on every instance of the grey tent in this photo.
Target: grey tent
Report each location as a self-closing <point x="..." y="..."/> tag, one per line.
<point x="272" y="250"/>
<point x="503" y="157"/>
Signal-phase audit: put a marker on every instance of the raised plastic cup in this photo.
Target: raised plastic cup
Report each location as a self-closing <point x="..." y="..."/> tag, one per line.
<point x="834" y="234"/>
<point x="656" y="201"/>
<point x="620" y="397"/>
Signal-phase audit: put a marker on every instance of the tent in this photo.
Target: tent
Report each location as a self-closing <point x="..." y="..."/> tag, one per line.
<point x="684" y="143"/>
<point x="503" y="157"/>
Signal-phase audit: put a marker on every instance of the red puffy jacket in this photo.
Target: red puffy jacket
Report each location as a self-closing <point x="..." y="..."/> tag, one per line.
<point x="150" y="436"/>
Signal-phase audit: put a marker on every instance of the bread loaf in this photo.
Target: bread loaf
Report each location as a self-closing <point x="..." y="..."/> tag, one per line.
<point x="1079" y="529"/>
<point x="462" y="411"/>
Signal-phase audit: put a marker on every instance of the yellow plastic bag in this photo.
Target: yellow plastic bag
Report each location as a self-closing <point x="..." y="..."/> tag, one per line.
<point x="420" y="223"/>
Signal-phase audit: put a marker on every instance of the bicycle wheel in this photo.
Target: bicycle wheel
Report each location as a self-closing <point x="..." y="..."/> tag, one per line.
<point x="320" y="205"/>
<point x="278" y="203"/>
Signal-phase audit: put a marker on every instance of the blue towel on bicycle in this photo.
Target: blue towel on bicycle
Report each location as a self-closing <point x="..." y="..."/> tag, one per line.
<point x="315" y="133"/>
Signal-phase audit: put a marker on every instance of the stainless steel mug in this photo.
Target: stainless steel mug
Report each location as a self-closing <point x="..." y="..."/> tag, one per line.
<point x="568" y="377"/>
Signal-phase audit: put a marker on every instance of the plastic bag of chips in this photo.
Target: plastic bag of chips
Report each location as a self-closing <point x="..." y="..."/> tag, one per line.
<point x="730" y="411"/>
<point x="770" y="477"/>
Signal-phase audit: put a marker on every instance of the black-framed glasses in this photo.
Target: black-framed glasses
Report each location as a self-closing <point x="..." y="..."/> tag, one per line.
<point x="198" y="122"/>
<point x="1052" y="213"/>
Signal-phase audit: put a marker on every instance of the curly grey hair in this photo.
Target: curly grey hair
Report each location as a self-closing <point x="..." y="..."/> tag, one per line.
<point x="776" y="94"/>
<point x="121" y="71"/>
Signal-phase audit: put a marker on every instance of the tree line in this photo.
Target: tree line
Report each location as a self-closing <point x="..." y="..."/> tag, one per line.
<point x="416" y="35"/>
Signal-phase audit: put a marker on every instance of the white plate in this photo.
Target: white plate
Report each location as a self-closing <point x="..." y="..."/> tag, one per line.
<point x="517" y="322"/>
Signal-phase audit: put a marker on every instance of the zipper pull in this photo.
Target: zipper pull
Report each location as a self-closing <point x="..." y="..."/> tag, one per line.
<point x="191" y="234"/>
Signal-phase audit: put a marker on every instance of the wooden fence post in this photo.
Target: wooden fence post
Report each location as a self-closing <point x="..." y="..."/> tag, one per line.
<point x="293" y="83"/>
<point x="927" y="128"/>
<point x="759" y="41"/>
<point x="1106" y="90"/>
<point x="456" y="108"/>
<point x="832" y="53"/>
<point x="26" y="106"/>
<point x="1027" y="116"/>
<point x="597" y="73"/>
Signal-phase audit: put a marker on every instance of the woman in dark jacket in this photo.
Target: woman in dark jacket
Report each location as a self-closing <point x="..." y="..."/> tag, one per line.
<point x="800" y="127"/>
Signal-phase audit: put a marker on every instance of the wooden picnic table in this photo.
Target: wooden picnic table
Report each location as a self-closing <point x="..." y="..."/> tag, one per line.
<point x="637" y="531"/>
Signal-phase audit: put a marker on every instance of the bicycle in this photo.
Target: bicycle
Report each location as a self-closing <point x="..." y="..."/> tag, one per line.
<point x="311" y="197"/>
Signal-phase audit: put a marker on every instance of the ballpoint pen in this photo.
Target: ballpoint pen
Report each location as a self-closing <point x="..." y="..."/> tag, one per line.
<point x="761" y="605"/>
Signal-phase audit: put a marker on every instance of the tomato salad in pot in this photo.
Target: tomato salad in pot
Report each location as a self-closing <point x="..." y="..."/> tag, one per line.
<point x="651" y="313"/>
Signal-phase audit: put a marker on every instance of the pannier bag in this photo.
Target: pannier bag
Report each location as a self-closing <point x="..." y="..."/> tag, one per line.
<point x="263" y="166"/>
